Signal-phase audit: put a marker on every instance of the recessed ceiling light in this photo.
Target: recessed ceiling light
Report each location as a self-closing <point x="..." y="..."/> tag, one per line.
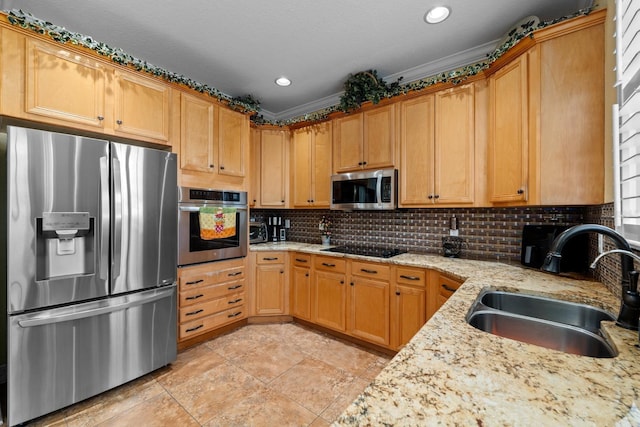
<point x="437" y="14"/>
<point x="283" y="81"/>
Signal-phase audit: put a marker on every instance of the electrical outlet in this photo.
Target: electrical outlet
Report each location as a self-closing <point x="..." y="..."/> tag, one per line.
<point x="600" y="243"/>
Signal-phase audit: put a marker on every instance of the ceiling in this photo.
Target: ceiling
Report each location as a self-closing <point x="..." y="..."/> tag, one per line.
<point x="241" y="46"/>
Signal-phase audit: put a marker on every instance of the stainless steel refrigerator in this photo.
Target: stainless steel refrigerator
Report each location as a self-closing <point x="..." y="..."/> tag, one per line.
<point x="91" y="267"/>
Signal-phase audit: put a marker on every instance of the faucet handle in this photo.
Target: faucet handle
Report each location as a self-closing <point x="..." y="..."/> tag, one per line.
<point x="633" y="281"/>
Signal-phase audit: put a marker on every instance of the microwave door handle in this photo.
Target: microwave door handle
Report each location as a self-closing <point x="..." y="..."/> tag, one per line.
<point x="104" y="217"/>
<point x="379" y="191"/>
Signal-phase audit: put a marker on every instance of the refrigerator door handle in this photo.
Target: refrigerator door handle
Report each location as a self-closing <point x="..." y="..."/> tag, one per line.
<point x="117" y="217"/>
<point x="104" y="218"/>
<point x="92" y="312"/>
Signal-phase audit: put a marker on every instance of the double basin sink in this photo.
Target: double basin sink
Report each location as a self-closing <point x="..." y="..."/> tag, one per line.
<point x="559" y="325"/>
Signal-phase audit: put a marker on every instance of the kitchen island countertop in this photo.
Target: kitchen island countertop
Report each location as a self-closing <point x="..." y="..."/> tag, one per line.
<point x="453" y="374"/>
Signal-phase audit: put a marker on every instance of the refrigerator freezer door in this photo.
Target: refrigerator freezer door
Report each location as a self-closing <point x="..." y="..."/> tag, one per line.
<point x="144" y="218"/>
<point x="57" y="218"/>
<point x="61" y="356"/>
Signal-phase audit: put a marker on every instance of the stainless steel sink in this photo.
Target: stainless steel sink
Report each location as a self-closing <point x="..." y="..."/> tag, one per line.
<point x="546" y="322"/>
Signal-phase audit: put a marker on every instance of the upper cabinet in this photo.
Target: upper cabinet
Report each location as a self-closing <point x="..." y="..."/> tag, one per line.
<point x="274" y="171"/>
<point x="254" y="168"/>
<point x="365" y="140"/>
<point x="546" y="119"/>
<point x="311" y="166"/>
<point x="214" y="144"/>
<point x="437" y="148"/>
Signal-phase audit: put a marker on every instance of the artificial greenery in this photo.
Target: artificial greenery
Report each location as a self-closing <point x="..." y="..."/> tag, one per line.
<point x="366" y="86"/>
<point x="359" y="87"/>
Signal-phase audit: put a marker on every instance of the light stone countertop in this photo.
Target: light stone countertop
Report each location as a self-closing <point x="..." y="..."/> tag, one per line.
<point x="453" y="374"/>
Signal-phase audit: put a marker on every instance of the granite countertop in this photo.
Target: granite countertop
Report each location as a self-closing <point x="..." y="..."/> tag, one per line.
<point x="453" y="374"/>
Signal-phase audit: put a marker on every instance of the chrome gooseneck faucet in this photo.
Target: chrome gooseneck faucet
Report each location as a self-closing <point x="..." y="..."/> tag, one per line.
<point x="630" y="304"/>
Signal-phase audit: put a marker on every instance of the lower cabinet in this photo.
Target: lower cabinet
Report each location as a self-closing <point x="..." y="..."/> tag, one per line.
<point x="210" y="295"/>
<point x="408" y="304"/>
<point x="330" y="293"/>
<point x="369" y="302"/>
<point x="271" y="297"/>
<point x="300" y="286"/>
<point x="442" y="288"/>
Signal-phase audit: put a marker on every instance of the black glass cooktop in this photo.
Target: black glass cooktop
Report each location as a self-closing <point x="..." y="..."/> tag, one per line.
<point x="378" y="252"/>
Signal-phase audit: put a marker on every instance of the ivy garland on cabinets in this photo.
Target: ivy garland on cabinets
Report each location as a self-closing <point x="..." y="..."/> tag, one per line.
<point x="358" y="88"/>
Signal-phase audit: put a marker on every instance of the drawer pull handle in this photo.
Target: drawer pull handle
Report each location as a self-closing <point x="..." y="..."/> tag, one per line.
<point x="195" y="328"/>
<point x="195" y="282"/>
<point x="270" y="259"/>
<point x="409" y="277"/>
<point x="448" y="288"/>
<point x="235" y="301"/>
<point x="236" y="273"/>
<point x="301" y="260"/>
<point x="192" y="313"/>
<point x="328" y="264"/>
<point x="234" y="287"/>
<point x="234" y="314"/>
<point x="195" y="296"/>
<point x="364" y="270"/>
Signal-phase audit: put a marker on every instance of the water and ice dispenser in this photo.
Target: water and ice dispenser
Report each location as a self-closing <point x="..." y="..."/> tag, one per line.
<point x="65" y="245"/>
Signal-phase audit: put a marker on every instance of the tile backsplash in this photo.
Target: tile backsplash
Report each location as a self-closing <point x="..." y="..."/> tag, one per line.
<point x="489" y="234"/>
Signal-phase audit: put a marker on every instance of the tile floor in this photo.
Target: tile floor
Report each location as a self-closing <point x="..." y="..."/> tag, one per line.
<point x="259" y="375"/>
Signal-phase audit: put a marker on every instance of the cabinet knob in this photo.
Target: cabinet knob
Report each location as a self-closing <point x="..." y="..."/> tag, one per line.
<point x="397" y="292"/>
<point x="221" y="167"/>
<point x="211" y="166"/>
<point x="359" y="163"/>
<point x="520" y="191"/>
<point x="281" y="271"/>
<point x="364" y="163"/>
<point x="311" y="200"/>
<point x="342" y="282"/>
<point x="119" y="122"/>
<point x="430" y="196"/>
<point x="437" y="196"/>
<point x="282" y="201"/>
<point x="101" y="118"/>
<point x="306" y="275"/>
<point x="351" y="283"/>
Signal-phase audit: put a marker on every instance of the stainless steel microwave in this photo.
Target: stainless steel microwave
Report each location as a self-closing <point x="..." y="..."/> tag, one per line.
<point x="366" y="190"/>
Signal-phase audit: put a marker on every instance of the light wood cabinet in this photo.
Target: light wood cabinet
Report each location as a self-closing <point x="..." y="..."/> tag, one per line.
<point x="330" y="292"/>
<point x="271" y="296"/>
<point x="546" y="119"/>
<point x="209" y="296"/>
<point x="441" y="288"/>
<point x="408" y="304"/>
<point x="364" y="140"/>
<point x="274" y="154"/>
<point x="301" y="286"/>
<point x="437" y="146"/>
<point x="214" y="144"/>
<point x="254" y="168"/>
<point x="369" y="309"/>
<point x="311" y="166"/>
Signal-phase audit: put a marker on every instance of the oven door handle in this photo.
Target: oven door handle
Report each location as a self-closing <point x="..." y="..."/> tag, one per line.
<point x="197" y="208"/>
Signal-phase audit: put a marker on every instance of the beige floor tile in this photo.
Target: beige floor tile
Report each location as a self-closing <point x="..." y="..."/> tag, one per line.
<point x="214" y="390"/>
<point x="319" y="422"/>
<point x="161" y="411"/>
<point x="268" y="361"/>
<point x="264" y="408"/>
<point x="313" y="384"/>
<point x="345" y="399"/>
<point x="375" y="367"/>
<point x="240" y="341"/>
<point x="190" y="363"/>
<point x="342" y="355"/>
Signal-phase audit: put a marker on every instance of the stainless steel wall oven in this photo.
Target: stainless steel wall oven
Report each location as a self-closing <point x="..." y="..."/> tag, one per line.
<point x="212" y="225"/>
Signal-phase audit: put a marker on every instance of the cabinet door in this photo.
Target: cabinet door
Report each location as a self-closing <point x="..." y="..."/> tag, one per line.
<point x="302" y="166"/>
<point x="141" y="107"/>
<point x="270" y="289"/>
<point x="369" y="310"/>
<point x="409" y="313"/>
<point x="301" y="292"/>
<point x="65" y="86"/>
<point x="196" y="134"/>
<point x="330" y="300"/>
<point x="379" y="138"/>
<point x="273" y="146"/>
<point x="254" y="168"/>
<point x="347" y="143"/>
<point x="233" y="138"/>
<point x="454" y="147"/>
<point x="321" y="175"/>
<point x="416" y="151"/>
<point x="508" y="132"/>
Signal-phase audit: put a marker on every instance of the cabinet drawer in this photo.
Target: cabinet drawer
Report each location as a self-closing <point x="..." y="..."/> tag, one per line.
<point x="205" y="324"/>
<point x="207" y="308"/>
<point x="201" y="294"/>
<point x="190" y="281"/>
<point x="371" y="270"/>
<point x="447" y="286"/>
<point x="270" y="258"/>
<point x="334" y="264"/>
<point x="411" y="276"/>
<point x="235" y="273"/>
<point x="302" y="260"/>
